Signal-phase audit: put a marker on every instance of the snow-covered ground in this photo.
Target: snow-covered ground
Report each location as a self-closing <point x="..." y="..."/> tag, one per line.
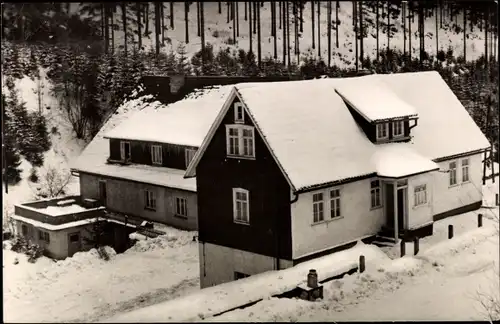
<point x="218" y="31"/>
<point x="85" y="288"/>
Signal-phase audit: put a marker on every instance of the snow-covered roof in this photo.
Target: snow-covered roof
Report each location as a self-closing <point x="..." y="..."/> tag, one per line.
<point x="397" y="160"/>
<point x="94" y="158"/>
<point x="373" y="99"/>
<point x="315" y="139"/>
<point x="184" y="122"/>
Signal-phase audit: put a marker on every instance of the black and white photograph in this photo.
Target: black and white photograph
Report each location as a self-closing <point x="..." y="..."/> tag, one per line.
<point x="250" y="161"/>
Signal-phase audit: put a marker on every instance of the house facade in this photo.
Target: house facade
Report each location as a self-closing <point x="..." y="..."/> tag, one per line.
<point x="171" y="203"/>
<point x="291" y="171"/>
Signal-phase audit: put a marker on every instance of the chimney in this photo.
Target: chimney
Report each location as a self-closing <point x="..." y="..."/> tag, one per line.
<point x="312" y="279"/>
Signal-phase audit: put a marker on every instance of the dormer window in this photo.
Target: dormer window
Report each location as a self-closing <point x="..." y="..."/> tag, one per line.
<point x="239" y="116"/>
<point x="397" y="128"/>
<point x="382" y="131"/>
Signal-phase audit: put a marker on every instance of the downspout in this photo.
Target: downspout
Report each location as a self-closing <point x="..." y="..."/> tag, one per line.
<point x="416" y="122"/>
<point x="277" y="259"/>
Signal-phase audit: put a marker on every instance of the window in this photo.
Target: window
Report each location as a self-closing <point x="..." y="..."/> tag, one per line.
<point x="335" y="203"/>
<point x="150" y="199"/>
<point x="156" y="154"/>
<point x="189" y="155"/>
<point x="248" y="142"/>
<point x="397" y="128"/>
<point x="44" y="236"/>
<point x="74" y="238"/>
<point x="375" y="194"/>
<point x="420" y="193"/>
<point x="453" y="173"/>
<point x="125" y="151"/>
<point x="24" y="230"/>
<point x="318" y="208"/>
<point x="240" y="140"/>
<point x="240" y="275"/>
<point x="181" y="207"/>
<point x="239" y="116"/>
<point x="465" y="170"/>
<point x="382" y="131"/>
<point x="241" y="202"/>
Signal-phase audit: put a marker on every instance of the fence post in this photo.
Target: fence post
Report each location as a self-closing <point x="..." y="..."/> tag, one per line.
<point x="415" y="245"/>
<point x="361" y="263"/>
<point x="403" y="248"/>
<point x="450" y="232"/>
<point x="479" y="220"/>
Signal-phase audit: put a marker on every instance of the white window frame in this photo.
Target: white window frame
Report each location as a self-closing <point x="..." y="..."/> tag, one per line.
<point x="385" y="129"/>
<point x="452" y="179"/>
<point x="401" y="125"/>
<point x="122" y="151"/>
<point x="149" y="199"/>
<point x="156" y="154"/>
<point x="375" y="194"/>
<point x="238" y="108"/>
<point x="238" y="214"/>
<point x="181" y="207"/>
<point x="465" y="170"/>
<point x="420" y="195"/>
<point x="244" y="143"/>
<point x="335" y="203"/>
<point x="318" y="204"/>
<point x="189" y="155"/>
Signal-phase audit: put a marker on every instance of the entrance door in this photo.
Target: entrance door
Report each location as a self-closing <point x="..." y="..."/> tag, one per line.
<point x="74" y="243"/>
<point x="389" y="205"/>
<point x="102" y="192"/>
<point x="401" y="207"/>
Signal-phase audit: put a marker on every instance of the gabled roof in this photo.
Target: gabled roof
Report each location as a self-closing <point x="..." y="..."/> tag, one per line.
<point x="185" y="122"/>
<point x="315" y="140"/>
<point x="373" y="99"/>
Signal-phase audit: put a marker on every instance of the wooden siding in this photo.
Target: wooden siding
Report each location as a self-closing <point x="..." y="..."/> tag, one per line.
<point x="173" y="156"/>
<point x="217" y="175"/>
<point x="127" y="197"/>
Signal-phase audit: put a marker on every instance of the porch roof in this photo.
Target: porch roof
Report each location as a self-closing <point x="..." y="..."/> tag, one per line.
<point x="396" y="160"/>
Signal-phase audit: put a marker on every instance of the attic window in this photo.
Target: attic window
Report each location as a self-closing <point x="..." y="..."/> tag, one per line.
<point x="382" y="131"/>
<point x="239" y="116"/>
<point x="240" y="141"/>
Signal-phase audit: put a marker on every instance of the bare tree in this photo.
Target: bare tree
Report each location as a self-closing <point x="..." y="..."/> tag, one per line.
<point x="377" y="18"/>
<point x="259" y="44"/>
<point x="186" y="20"/>
<point x="172" y="15"/>
<point x="139" y="23"/>
<point x="312" y="25"/>
<point x="53" y="182"/>
<point x="250" y="25"/>
<point x="329" y="33"/>
<point x="319" y="31"/>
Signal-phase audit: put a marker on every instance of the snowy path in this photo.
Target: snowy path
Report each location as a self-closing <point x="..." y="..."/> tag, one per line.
<point x="84" y="288"/>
